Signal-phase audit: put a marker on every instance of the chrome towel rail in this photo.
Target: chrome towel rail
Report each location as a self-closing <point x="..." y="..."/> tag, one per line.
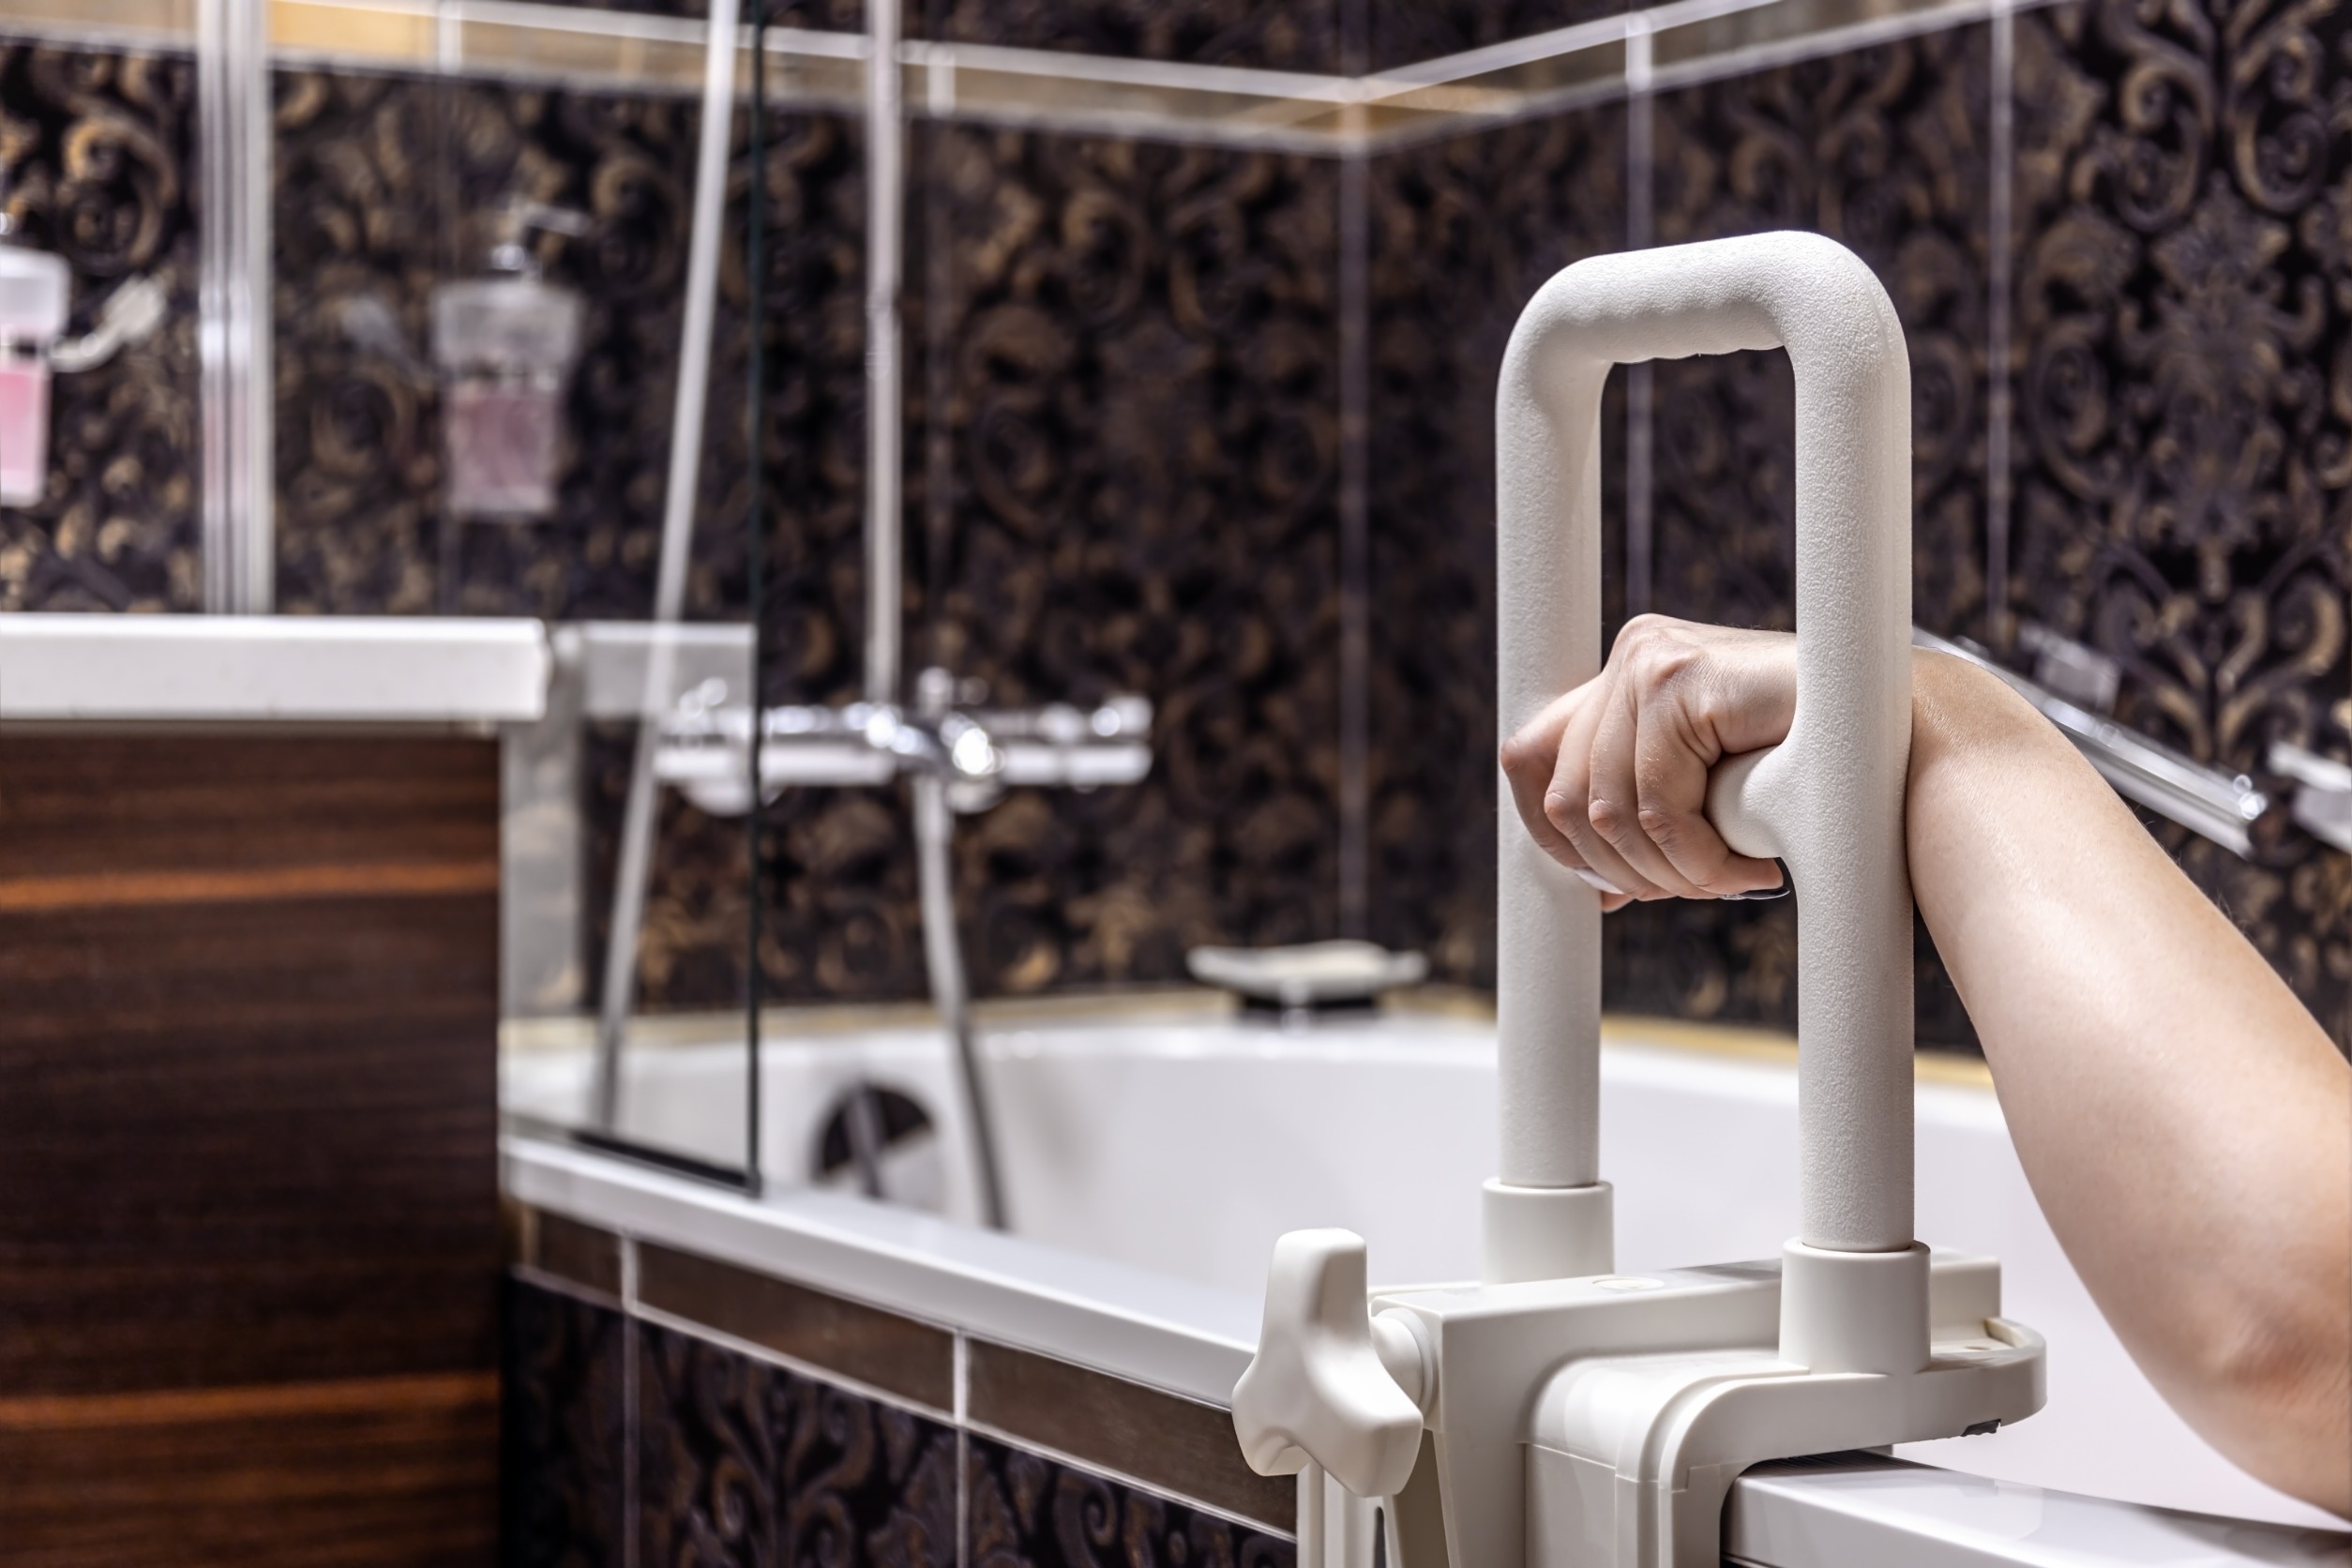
<point x="2207" y="801"/>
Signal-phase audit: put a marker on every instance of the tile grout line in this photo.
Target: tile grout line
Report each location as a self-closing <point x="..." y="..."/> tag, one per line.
<point x="1355" y="524"/>
<point x="1640" y="380"/>
<point x="938" y="305"/>
<point x="237" y="558"/>
<point x="631" y="1372"/>
<point x="963" y="1451"/>
<point x="2001" y="199"/>
<point x="1355" y="630"/>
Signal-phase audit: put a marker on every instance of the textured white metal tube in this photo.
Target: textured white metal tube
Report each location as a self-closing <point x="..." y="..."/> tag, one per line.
<point x="1830" y="800"/>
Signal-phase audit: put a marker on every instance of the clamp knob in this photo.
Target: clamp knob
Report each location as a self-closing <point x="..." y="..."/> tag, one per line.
<point x="1320" y="1390"/>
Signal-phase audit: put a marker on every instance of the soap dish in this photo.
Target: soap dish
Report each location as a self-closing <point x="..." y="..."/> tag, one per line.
<point x="1310" y="974"/>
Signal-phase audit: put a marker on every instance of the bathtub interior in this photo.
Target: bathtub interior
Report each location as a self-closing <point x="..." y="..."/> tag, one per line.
<point x="1185" y="1144"/>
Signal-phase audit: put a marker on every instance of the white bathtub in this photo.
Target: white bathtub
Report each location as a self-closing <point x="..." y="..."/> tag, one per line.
<point x="1178" y="1138"/>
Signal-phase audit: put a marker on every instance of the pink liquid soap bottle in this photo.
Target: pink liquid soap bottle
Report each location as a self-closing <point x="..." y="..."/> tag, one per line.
<point x="33" y="288"/>
<point x="505" y="346"/>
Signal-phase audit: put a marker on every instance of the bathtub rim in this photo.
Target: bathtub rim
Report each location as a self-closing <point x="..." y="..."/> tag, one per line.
<point x="1185" y="1338"/>
<point x="1193" y="1340"/>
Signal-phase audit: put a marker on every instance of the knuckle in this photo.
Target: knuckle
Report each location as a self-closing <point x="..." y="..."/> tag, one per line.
<point x="1665" y="828"/>
<point x="1564" y="809"/>
<point x="1672" y="664"/>
<point x="1608" y="819"/>
<point x="1661" y="668"/>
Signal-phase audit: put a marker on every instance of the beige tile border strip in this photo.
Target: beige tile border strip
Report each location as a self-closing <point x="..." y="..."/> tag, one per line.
<point x="1770" y="1044"/>
<point x="1665" y="46"/>
<point x="1174" y="1004"/>
<point x="166" y="24"/>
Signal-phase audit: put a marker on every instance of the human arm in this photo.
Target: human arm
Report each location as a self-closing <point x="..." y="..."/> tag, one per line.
<point x="2184" y="1122"/>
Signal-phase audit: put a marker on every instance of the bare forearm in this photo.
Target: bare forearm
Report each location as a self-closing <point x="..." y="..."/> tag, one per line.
<point x="2185" y="1123"/>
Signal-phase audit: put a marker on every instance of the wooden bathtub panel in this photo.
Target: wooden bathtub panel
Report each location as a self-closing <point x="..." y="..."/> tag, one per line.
<point x="81" y="802"/>
<point x="249" y="1144"/>
<point x="367" y="1473"/>
<point x="271" y="1155"/>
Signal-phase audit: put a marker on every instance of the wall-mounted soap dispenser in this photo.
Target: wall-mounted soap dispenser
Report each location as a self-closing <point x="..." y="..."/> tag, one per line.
<point x="505" y="346"/>
<point x="36" y="289"/>
<point x="33" y="293"/>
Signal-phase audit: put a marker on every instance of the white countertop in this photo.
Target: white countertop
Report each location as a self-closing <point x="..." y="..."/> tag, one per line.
<point x="142" y="669"/>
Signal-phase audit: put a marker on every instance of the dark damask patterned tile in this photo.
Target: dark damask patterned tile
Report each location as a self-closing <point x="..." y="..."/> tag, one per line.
<point x="839" y="917"/>
<point x="841" y="920"/>
<point x="821" y="16"/>
<point x="1884" y="150"/>
<point x="1132" y="429"/>
<point x="2184" y="401"/>
<point x="1463" y="233"/>
<point x="561" y="1431"/>
<point x="1345" y="37"/>
<point x="1404" y="31"/>
<point x="1291" y="34"/>
<point x="97" y="160"/>
<point x="386" y="185"/>
<point x="812" y="454"/>
<point x="356" y="219"/>
<point x="742" y="1463"/>
<point x="1027" y="1511"/>
<point x="1737" y="963"/>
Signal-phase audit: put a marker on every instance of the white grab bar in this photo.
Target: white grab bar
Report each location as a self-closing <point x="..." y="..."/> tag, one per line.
<point x="1829" y="801"/>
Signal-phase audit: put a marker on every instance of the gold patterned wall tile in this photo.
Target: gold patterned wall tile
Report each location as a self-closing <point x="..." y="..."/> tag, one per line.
<point x="839" y="913"/>
<point x="387" y="186"/>
<point x="1401" y="32"/>
<point x="1885" y="149"/>
<point x="738" y="1460"/>
<point x="98" y="152"/>
<point x="1124" y="459"/>
<point x="1331" y="36"/>
<point x="1462" y="233"/>
<point x="2184" y="372"/>
<point x="356" y="224"/>
<point x="1291" y="34"/>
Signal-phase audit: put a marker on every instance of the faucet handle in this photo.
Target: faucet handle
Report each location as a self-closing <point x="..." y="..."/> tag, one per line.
<point x="1318" y="1389"/>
